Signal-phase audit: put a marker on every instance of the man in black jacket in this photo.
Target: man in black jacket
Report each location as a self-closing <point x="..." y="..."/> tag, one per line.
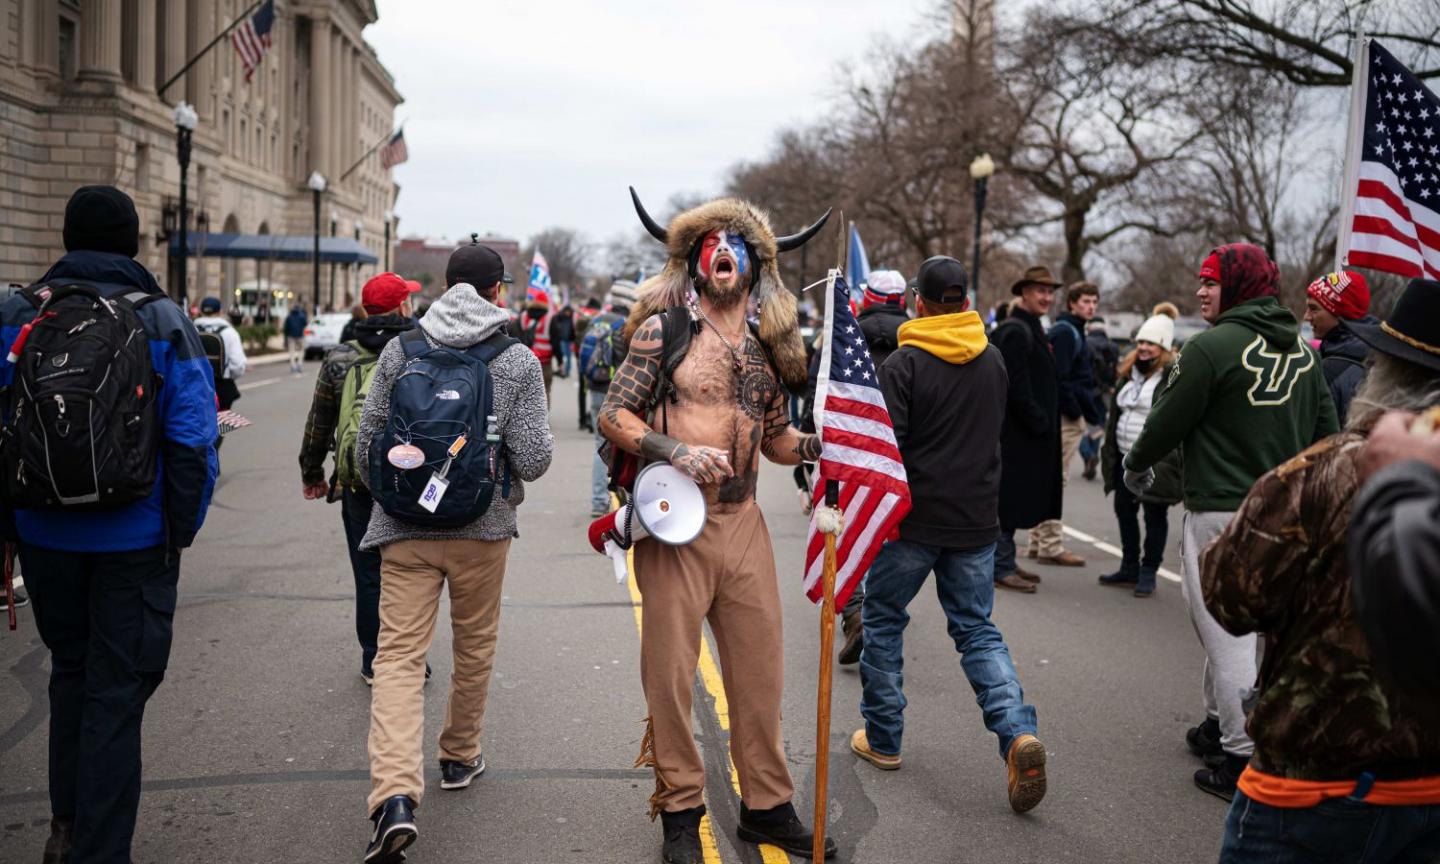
<point x="1080" y="406"/>
<point x="1030" y="490"/>
<point x="946" y="391"/>
<point x="1330" y="302"/>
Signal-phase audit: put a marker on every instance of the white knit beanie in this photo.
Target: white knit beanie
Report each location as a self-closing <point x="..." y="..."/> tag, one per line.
<point x="1159" y="329"/>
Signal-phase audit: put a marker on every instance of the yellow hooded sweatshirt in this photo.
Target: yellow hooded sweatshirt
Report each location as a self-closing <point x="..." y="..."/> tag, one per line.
<point x="956" y="339"/>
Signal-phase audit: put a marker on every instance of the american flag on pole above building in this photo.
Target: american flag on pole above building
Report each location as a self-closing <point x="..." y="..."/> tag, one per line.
<point x="1390" y="219"/>
<point x="252" y="37"/>
<point x="859" y="451"/>
<point x="394" y="152"/>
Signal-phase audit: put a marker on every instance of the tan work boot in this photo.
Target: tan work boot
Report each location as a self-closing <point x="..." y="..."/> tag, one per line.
<point x="1025" y="765"/>
<point x="1065" y="558"/>
<point x="860" y="746"/>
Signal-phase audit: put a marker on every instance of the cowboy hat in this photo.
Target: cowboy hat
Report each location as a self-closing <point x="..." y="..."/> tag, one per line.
<point x="1412" y="331"/>
<point x="1035" y="276"/>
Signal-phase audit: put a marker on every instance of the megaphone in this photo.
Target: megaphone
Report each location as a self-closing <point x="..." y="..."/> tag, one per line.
<point x="665" y="505"/>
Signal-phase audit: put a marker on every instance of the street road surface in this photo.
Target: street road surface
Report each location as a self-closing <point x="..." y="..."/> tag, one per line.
<point x="255" y="743"/>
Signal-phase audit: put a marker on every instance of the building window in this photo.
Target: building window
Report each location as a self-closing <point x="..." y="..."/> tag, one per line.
<point x="244" y="139"/>
<point x="69" y="43"/>
<point x="225" y="127"/>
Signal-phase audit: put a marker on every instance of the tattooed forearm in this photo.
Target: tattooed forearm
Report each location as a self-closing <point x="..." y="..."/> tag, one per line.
<point x="633" y="389"/>
<point x="702" y="464"/>
<point x="659" y="448"/>
<point x="808" y="447"/>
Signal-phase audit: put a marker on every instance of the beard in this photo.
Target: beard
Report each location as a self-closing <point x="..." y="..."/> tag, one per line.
<point x="726" y="294"/>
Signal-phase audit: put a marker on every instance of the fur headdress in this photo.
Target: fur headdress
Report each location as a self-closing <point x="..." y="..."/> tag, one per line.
<point x="779" y="324"/>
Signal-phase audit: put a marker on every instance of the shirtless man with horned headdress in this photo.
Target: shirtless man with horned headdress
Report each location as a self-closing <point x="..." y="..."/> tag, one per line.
<point x="712" y="416"/>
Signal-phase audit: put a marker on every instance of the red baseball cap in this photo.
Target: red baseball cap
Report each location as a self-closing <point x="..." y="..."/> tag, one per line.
<point x="385" y="292"/>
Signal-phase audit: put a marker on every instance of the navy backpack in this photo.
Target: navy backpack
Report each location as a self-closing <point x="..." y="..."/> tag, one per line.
<point x="442" y="407"/>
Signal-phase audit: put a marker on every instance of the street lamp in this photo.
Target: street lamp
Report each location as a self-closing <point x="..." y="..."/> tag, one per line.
<point x="355" y="268"/>
<point x="334" y="219"/>
<point x="980" y="170"/>
<point x="389" y="217"/>
<point x="185" y="122"/>
<point x="317" y="186"/>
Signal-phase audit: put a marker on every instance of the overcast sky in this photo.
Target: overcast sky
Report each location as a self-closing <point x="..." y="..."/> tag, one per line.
<point x="524" y="115"/>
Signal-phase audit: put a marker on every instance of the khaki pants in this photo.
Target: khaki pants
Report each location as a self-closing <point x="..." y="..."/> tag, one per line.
<point x="412" y="574"/>
<point x="1048" y="538"/>
<point x="728" y="577"/>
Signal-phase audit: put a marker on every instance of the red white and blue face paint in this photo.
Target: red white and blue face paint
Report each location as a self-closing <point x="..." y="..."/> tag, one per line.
<point x="714" y="249"/>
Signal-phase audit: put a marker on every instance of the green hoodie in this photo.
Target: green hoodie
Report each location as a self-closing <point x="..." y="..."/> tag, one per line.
<point x="1245" y="396"/>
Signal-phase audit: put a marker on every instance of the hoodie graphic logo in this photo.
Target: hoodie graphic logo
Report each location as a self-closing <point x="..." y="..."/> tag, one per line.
<point x="1275" y="372"/>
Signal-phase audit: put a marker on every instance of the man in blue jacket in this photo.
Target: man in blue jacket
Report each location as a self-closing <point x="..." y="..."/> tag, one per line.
<point x="103" y="582"/>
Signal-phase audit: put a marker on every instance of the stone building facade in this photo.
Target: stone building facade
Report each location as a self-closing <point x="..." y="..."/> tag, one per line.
<point x="80" y="104"/>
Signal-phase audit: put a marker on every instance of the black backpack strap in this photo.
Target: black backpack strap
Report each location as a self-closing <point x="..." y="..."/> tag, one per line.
<point x="492" y="346"/>
<point x="413" y="342"/>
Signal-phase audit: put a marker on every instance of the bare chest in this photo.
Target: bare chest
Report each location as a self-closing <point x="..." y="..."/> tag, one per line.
<point x="712" y="375"/>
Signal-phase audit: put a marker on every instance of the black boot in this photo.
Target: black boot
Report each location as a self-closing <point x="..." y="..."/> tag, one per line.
<point x="779" y="826"/>
<point x="394" y="831"/>
<point x="57" y="848"/>
<point x="1146" y="586"/>
<point x="1221" y="781"/>
<point x="1204" y="740"/>
<point x="1126" y="576"/>
<point x="854" y="639"/>
<point x="682" y="836"/>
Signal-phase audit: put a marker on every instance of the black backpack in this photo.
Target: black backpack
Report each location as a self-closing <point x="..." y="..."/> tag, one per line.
<point x="442" y="404"/>
<point x="526" y="327"/>
<point x="82" y="431"/>
<point x="214" y="345"/>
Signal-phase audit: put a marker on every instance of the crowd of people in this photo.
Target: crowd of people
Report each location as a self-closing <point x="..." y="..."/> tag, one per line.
<point x="1309" y="479"/>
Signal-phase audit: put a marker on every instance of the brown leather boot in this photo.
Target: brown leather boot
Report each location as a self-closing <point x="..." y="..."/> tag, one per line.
<point x="854" y="639"/>
<point x="1065" y="558"/>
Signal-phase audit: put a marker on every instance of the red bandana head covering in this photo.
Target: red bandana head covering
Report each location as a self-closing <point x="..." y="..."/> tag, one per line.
<point x="1244" y="272"/>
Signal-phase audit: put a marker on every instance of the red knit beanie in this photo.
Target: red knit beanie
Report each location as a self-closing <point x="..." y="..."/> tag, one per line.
<point x="1210" y="268"/>
<point x="1345" y="294"/>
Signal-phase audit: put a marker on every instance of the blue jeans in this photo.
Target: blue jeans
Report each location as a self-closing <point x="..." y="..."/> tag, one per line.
<point x="1339" y="829"/>
<point x="567" y="349"/>
<point x="1005" y="553"/>
<point x="599" y="475"/>
<point x="964" y="583"/>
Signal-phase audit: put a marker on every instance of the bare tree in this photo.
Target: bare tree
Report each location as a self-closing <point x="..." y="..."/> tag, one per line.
<point x="566" y="250"/>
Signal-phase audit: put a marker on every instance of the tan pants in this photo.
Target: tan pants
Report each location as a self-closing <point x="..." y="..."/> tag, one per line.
<point x="412" y="574"/>
<point x="1049" y="536"/>
<point x="728" y="577"/>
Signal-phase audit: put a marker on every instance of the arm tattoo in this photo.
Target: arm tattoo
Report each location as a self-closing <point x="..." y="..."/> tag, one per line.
<point x="660" y="448"/>
<point x="633" y="389"/>
<point x="808" y="447"/>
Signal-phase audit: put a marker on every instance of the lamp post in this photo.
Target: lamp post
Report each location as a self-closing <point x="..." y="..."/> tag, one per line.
<point x="389" y="217"/>
<point x="185" y="122"/>
<point x="355" y="268"/>
<point x="317" y="186"/>
<point x="980" y="171"/>
<point x="334" y="221"/>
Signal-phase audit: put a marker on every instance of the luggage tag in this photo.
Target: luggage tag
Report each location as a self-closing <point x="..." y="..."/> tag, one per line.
<point x="435" y="489"/>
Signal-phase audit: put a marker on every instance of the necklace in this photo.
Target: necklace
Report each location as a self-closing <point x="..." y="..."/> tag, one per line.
<point x="734" y="352"/>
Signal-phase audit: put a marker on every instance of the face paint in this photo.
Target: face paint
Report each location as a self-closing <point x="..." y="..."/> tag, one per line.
<point x="722" y="241"/>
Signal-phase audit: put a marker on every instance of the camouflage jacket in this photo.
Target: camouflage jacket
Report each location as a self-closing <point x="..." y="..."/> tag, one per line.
<point x="319" y="437"/>
<point x="1281" y="569"/>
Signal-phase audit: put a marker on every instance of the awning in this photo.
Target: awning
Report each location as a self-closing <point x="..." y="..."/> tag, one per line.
<point x="275" y="247"/>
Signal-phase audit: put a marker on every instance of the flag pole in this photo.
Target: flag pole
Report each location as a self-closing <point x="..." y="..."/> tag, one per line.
<point x="206" y="50"/>
<point x="378" y="144"/>
<point x="827" y="624"/>
<point x="1354" y="144"/>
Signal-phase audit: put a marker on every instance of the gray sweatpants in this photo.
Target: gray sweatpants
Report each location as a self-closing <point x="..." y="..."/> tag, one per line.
<point x="1229" y="675"/>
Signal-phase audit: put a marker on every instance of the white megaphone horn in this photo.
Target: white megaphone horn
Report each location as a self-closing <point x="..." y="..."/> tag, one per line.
<point x="665" y="505"/>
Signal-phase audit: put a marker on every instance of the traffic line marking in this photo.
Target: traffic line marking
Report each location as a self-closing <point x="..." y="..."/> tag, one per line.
<point x="256" y="385"/>
<point x="1111" y="550"/>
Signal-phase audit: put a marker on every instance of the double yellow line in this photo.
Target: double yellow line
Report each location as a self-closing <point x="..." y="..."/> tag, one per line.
<point x="714" y="685"/>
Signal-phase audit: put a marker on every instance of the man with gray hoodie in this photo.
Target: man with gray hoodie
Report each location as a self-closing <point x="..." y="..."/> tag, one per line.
<point x="418" y="561"/>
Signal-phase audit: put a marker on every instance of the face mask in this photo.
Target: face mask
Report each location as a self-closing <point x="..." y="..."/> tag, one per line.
<point x="1145" y="365"/>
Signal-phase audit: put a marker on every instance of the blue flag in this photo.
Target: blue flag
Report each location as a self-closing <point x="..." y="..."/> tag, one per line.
<point x="857" y="268"/>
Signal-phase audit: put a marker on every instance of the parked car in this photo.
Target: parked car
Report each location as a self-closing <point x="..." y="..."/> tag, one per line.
<point x="323" y="332"/>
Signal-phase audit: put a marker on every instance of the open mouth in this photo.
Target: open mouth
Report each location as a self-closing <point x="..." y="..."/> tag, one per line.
<point x="724" y="268"/>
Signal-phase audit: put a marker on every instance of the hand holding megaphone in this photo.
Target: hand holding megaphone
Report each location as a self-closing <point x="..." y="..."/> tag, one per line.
<point x="666" y="505"/>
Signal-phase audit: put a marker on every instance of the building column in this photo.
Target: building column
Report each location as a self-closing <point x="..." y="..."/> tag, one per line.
<point x="337" y="91"/>
<point x="320" y="75"/>
<point x="200" y="80"/>
<point x="140" y="38"/>
<point x="172" y="47"/>
<point x="100" y="29"/>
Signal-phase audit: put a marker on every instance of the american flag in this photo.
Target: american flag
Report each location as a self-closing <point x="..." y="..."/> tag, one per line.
<point x="252" y="37"/>
<point x="394" y="152"/>
<point x="859" y="452"/>
<point x="1392" y="221"/>
<point x="539" y="288"/>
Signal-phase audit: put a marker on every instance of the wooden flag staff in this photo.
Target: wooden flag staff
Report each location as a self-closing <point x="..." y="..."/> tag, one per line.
<point x="827" y="620"/>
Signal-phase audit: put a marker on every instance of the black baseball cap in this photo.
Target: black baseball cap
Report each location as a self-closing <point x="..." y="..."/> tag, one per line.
<point x="477" y="265"/>
<point x="942" y="279"/>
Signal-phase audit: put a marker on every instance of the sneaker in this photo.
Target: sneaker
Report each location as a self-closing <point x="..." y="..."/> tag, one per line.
<point x="682" y="836"/>
<point x="807" y="503"/>
<point x="21" y="599"/>
<point x="1025" y="767"/>
<point x="368" y="677"/>
<point x="854" y="639"/>
<point x="1089" y="472"/>
<point x="394" y="831"/>
<point x="860" y="746"/>
<point x="457" y="775"/>
<point x="779" y="826"/>
<point x="57" y="847"/>
<point x="1204" y="740"/>
<point x="1221" y="781"/>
